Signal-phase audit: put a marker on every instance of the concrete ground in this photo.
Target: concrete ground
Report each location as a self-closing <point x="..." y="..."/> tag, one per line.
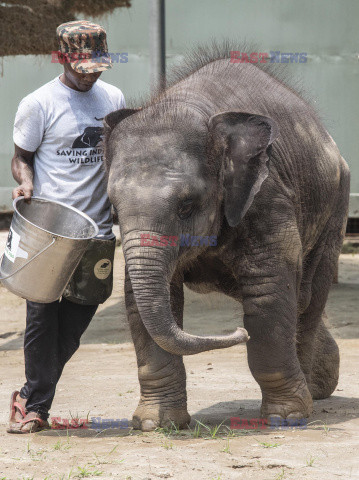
<point x="101" y="381"/>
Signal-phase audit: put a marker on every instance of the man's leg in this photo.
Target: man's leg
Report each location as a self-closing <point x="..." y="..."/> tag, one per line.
<point x="41" y="356"/>
<point x="52" y="336"/>
<point x="73" y="321"/>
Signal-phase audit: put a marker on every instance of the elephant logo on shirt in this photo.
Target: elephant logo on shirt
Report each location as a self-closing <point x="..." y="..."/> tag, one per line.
<point x="89" y="138"/>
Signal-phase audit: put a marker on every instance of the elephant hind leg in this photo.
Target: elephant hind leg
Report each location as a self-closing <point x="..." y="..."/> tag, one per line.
<point x="317" y="350"/>
<point x="325" y="366"/>
<point x="318" y="356"/>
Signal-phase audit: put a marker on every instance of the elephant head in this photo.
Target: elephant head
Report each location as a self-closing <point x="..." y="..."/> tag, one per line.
<point x="171" y="174"/>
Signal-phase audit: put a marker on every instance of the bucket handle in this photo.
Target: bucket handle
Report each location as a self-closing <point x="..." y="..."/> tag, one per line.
<point x="27" y="263"/>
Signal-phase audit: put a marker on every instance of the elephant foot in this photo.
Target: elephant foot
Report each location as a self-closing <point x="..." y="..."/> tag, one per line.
<point x="324" y="379"/>
<point x="325" y="370"/>
<point x="148" y="417"/>
<point x="284" y="403"/>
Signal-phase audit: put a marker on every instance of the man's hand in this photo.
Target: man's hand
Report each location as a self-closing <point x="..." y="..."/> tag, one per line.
<point x="23" y="190"/>
<point x="22" y="167"/>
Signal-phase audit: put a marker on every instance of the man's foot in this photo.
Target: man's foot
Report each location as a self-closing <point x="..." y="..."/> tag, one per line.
<point x="31" y="423"/>
<point x="17" y="408"/>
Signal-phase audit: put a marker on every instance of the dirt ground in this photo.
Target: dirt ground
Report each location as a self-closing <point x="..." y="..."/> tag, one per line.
<point x="101" y="381"/>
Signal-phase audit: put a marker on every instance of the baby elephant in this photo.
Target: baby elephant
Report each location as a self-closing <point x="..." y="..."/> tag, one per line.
<point x="229" y="152"/>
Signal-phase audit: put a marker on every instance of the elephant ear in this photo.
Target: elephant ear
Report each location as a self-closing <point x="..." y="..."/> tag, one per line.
<point x="113" y="118"/>
<point x="109" y="123"/>
<point x="244" y="140"/>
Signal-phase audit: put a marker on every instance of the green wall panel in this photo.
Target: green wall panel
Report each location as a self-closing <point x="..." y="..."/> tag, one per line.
<point x="326" y="29"/>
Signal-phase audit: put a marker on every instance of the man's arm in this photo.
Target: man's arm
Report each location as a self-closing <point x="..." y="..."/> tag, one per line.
<point x="22" y="168"/>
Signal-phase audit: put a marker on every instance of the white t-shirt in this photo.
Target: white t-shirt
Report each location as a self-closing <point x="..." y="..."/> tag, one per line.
<point x="64" y="129"/>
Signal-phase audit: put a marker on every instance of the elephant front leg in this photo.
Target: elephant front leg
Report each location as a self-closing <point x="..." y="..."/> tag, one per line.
<point x="270" y="308"/>
<point x="162" y="376"/>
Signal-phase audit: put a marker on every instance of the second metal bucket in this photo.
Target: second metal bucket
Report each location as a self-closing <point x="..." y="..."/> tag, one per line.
<point x="45" y="244"/>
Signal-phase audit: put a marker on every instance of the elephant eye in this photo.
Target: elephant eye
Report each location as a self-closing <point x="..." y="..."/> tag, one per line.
<point x="185" y="209"/>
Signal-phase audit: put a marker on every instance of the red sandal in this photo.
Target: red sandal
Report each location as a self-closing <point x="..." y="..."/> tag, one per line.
<point x="15" y="408"/>
<point x="29" y="425"/>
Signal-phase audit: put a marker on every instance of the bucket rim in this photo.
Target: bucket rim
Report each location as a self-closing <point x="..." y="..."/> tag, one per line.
<point x="84" y="215"/>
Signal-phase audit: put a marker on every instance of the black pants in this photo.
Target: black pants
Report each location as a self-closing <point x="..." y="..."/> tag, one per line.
<point x="52" y="336"/>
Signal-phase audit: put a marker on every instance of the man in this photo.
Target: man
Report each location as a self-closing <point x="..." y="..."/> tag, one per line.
<point x="58" y="156"/>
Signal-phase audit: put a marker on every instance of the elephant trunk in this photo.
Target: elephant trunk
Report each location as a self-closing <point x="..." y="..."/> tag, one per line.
<point x="150" y="269"/>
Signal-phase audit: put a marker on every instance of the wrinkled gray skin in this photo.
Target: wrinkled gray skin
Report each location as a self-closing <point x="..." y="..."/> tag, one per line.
<point x="231" y="151"/>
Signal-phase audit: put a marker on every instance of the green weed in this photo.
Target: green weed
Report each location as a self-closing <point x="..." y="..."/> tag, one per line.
<point x="236" y="432"/>
<point x="321" y="424"/>
<point x="212" y="430"/>
<point x="226" y="449"/>
<point x="84" y="472"/>
<point x="310" y="461"/>
<point x="105" y="459"/>
<point x="196" y="432"/>
<point x="269" y="445"/>
<point x="35" y="455"/>
<point x="169" y="431"/>
<point x="61" y="445"/>
<point x="167" y="445"/>
<point x="280" y="475"/>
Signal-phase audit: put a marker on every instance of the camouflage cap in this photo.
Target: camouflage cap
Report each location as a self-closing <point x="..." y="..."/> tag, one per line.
<point x="84" y="46"/>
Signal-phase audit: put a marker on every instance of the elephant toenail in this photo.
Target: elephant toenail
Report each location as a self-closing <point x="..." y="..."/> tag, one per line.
<point x="148" y="425"/>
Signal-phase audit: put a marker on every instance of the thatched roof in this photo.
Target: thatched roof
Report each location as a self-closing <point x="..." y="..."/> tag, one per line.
<point x="29" y="26"/>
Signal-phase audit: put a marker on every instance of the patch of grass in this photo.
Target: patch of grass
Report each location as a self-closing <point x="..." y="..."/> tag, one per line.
<point x="268" y="445"/>
<point x="310" y="461"/>
<point x="170" y="431"/>
<point x="213" y="431"/>
<point x="280" y="475"/>
<point x="201" y="430"/>
<point x="87" y="471"/>
<point x="326" y="428"/>
<point x="238" y="432"/>
<point x="196" y="432"/>
<point x="61" y="445"/>
<point x="350" y="247"/>
<point x="36" y="455"/>
<point x="105" y="459"/>
<point x="76" y="421"/>
<point x="66" y="477"/>
<point x="226" y="449"/>
<point x="167" y="445"/>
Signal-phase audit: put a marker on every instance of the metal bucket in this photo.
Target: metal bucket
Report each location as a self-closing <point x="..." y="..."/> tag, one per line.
<point x="45" y="244"/>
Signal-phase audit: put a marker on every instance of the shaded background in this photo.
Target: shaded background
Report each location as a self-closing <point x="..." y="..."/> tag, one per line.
<point x="327" y="30"/>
